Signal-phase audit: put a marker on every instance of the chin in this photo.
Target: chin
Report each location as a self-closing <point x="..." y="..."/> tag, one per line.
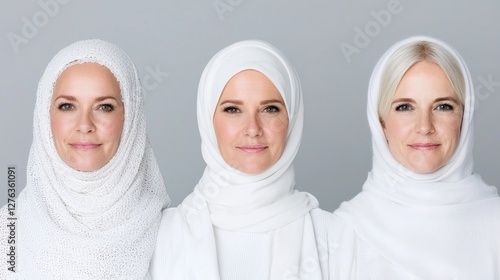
<point x="253" y="169"/>
<point x="86" y="167"/>
<point x="424" y="169"/>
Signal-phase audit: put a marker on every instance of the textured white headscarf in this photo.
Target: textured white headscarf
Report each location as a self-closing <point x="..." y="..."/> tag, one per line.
<point x="442" y="225"/>
<point x="229" y="199"/>
<point x="90" y="225"/>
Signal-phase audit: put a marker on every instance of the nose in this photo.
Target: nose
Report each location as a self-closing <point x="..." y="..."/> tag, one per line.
<point x="253" y="126"/>
<point x="425" y="125"/>
<point x="85" y="122"/>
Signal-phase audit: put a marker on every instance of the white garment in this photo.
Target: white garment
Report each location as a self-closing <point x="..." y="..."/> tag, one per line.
<point x="242" y="255"/>
<point x="354" y="258"/>
<point x="90" y="225"/>
<point x="230" y="200"/>
<point x="442" y="225"/>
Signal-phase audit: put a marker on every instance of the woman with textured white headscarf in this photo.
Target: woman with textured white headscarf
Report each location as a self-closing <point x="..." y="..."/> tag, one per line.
<point x="244" y="220"/>
<point x="94" y="195"/>
<point x="423" y="213"/>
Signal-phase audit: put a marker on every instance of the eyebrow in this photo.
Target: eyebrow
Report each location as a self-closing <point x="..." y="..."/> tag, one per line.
<point x="447" y="99"/>
<point x="98" y="99"/>
<point x="263" y="102"/>
<point x="436" y="100"/>
<point x="272" y="101"/>
<point x="403" y="100"/>
<point x="69" y="97"/>
<point x="231" y="101"/>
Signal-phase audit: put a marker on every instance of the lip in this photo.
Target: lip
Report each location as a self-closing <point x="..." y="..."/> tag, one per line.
<point x="252" y="148"/>
<point x="84" y="145"/>
<point x="424" y="146"/>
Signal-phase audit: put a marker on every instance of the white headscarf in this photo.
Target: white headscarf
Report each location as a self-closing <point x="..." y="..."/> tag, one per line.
<point x="440" y="225"/>
<point x="229" y="199"/>
<point x="90" y="225"/>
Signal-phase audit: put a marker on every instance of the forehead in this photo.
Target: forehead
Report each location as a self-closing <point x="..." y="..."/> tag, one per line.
<point x="253" y="82"/>
<point x="87" y="73"/>
<point x="86" y="69"/>
<point x="425" y="78"/>
<point x="82" y="81"/>
<point x="250" y="74"/>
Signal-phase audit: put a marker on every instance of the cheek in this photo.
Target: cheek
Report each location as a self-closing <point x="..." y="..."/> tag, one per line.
<point x="224" y="132"/>
<point x="60" y="126"/>
<point x="394" y="130"/>
<point x="397" y="133"/>
<point x="278" y="128"/>
<point x="113" y="128"/>
<point x="276" y="123"/>
<point x="451" y="128"/>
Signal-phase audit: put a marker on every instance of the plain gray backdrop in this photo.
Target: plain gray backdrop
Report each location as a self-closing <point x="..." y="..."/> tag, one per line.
<point x="333" y="44"/>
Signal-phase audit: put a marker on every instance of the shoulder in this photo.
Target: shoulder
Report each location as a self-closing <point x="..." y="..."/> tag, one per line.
<point x="166" y="236"/>
<point x="325" y="221"/>
<point x="324" y="229"/>
<point x="336" y="243"/>
<point x="331" y="227"/>
<point x="168" y="221"/>
<point x="333" y="233"/>
<point x="171" y="232"/>
<point x="322" y="220"/>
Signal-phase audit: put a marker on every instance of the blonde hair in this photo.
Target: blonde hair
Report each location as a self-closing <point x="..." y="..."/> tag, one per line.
<point x="407" y="56"/>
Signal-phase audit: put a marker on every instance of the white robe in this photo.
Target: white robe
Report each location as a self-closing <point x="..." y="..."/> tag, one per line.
<point x="247" y="255"/>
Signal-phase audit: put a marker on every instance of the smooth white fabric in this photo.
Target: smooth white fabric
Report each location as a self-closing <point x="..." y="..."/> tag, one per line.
<point x="241" y="255"/>
<point x="90" y="225"/>
<point x="228" y="199"/>
<point x="442" y="225"/>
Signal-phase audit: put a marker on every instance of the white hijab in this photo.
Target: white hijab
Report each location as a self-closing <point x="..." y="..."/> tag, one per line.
<point x="90" y="225"/>
<point x="442" y="225"/>
<point x="229" y="199"/>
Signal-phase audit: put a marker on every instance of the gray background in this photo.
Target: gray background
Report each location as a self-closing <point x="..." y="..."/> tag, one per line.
<point x="171" y="42"/>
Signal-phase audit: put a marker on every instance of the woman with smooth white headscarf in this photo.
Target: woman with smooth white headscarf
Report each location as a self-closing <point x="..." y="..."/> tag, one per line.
<point x="94" y="195"/>
<point x="423" y="213"/>
<point x="244" y="220"/>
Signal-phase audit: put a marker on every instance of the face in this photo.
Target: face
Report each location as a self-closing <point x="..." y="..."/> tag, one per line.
<point x="422" y="127"/>
<point x="86" y="116"/>
<point x="251" y="122"/>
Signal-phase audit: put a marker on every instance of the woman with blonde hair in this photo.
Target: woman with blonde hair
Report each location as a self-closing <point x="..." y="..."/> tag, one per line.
<point x="423" y="212"/>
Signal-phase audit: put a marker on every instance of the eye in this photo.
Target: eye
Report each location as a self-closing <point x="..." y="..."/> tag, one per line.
<point x="231" y="110"/>
<point x="444" y="107"/>
<point x="65" y="107"/>
<point x="106" y="107"/>
<point x="272" y="109"/>
<point x="403" y="107"/>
